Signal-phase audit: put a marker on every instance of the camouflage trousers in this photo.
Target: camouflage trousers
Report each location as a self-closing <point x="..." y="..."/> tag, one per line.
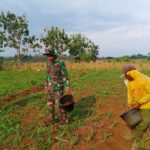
<point x="141" y="128"/>
<point x="51" y="96"/>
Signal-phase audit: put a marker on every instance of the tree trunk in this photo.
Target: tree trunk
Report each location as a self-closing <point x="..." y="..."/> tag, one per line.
<point x="18" y="55"/>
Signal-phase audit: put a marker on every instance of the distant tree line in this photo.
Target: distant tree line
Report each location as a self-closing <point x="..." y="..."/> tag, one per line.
<point x="14" y="34"/>
<point x="129" y="58"/>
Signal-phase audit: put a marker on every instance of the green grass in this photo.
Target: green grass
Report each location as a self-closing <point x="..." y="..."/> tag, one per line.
<point x="13" y="81"/>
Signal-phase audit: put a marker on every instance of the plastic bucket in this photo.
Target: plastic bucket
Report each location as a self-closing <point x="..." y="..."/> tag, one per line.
<point x="67" y="102"/>
<point x="132" y="117"/>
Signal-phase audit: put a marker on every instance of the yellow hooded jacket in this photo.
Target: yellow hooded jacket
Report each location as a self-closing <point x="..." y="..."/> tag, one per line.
<point x="139" y="89"/>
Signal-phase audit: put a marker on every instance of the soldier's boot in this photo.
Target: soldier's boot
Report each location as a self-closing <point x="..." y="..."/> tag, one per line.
<point x="63" y="117"/>
<point x="50" y="119"/>
<point x="63" y="122"/>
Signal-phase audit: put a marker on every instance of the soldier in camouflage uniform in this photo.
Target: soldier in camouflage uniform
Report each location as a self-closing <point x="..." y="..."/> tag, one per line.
<point x="56" y="82"/>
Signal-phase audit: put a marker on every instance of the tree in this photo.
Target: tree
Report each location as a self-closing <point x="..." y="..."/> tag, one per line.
<point x="3" y="40"/>
<point x="15" y="34"/>
<point x="77" y="45"/>
<point x="81" y="48"/>
<point x="92" y="50"/>
<point x="56" y="39"/>
<point x="31" y="43"/>
<point x="16" y="29"/>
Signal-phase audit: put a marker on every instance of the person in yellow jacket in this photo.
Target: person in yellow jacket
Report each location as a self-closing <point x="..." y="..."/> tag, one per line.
<point x="138" y="87"/>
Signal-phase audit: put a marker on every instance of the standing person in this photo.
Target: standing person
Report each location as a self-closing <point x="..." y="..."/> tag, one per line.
<point x="57" y="82"/>
<point x="138" y="87"/>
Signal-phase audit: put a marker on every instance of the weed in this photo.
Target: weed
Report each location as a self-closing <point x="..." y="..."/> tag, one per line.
<point x="91" y="135"/>
<point x="75" y="140"/>
<point x="10" y="127"/>
<point x="114" y="123"/>
<point x="94" y="118"/>
<point x="143" y="141"/>
<point x="49" y="140"/>
<point x="106" y="135"/>
<point x="104" y="93"/>
<point x="109" y="114"/>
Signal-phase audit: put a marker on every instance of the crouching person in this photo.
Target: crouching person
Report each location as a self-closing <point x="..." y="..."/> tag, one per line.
<point x="56" y="82"/>
<point x="138" y="87"/>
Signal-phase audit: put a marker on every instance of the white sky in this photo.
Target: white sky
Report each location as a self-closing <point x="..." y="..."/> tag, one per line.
<point x="119" y="27"/>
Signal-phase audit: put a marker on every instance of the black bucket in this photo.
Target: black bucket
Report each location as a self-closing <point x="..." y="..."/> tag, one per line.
<point x="67" y="102"/>
<point x="132" y="117"/>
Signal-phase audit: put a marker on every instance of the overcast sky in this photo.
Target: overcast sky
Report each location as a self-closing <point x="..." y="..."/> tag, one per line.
<point x="119" y="27"/>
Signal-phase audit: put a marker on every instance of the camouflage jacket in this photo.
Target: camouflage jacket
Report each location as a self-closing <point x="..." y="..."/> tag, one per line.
<point x="57" y="75"/>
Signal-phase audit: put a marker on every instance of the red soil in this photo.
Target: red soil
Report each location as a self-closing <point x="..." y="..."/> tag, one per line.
<point x="16" y="95"/>
<point x="113" y="142"/>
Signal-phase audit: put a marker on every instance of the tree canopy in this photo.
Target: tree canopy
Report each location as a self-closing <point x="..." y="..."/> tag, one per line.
<point x="55" y="38"/>
<point x="82" y="48"/>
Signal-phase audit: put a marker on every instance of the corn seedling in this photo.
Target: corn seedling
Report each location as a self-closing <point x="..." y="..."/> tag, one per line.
<point x="143" y="141"/>
<point x="49" y="140"/>
<point x="114" y="123"/>
<point x="75" y="140"/>
<point x="91" y="135"/>
<point x="109" y="114"/>
<point x="106" y="135"/>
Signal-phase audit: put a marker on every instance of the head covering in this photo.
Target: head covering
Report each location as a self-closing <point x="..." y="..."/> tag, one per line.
<point x="127" y="68"/>
<point x="50" y="52"/>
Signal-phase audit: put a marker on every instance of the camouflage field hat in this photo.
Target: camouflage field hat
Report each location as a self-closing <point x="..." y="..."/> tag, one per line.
<point x="50" y="52"/>
<point x="127" y="68"/>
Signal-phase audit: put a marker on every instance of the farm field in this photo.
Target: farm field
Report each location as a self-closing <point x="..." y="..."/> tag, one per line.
<point x="100" y="97"/>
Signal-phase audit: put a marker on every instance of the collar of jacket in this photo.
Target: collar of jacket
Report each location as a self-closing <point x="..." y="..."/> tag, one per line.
<point x="134" y="73"/>
<point x="55" y="61"/>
